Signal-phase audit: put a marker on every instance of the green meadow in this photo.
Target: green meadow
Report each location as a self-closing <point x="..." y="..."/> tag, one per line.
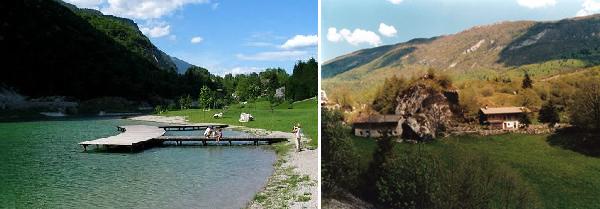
<point x="281" y="118"/>
<point x="562" y="178"/>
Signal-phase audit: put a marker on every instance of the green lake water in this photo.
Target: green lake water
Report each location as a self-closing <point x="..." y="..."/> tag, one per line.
<point x="42" y="166"/>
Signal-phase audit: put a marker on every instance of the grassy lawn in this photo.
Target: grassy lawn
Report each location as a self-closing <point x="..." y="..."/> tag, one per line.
<point x="562" y="178"/>
<point x="282" y="118"/>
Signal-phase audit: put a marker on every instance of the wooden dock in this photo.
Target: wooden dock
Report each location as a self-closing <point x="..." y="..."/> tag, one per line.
<point x="191" y="127"/>
<point x="139" y="136"/>
<point x="254" y="139"/>
<point x="131" y="137"/>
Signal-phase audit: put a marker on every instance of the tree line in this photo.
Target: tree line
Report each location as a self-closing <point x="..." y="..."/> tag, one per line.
<point x="213" y="91"/>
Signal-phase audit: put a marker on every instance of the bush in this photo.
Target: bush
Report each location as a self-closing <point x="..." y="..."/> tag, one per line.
<point x="159" y="109"/>
<point x="487" y="92"/>
<point x="409" y="181"/>
<point x="461" y="180"/>
<point x="339" y="167"/>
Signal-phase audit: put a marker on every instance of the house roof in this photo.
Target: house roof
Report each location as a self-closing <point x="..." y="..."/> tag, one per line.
<point x="380" y="119"/>
<point x="502" y="110"/>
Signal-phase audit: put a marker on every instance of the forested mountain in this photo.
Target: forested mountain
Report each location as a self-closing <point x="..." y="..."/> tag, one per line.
<point x="126" y="33"/>
<point x="48" y="49"/>
<point x="497" y="46"/>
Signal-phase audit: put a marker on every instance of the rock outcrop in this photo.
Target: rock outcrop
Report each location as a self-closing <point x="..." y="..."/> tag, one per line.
<point x="425" y="112"/>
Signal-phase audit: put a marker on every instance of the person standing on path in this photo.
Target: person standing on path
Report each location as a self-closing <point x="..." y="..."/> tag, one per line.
<point x="298" y="136"/>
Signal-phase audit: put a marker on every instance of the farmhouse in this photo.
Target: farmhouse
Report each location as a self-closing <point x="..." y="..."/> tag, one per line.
<point x="376" y="126"/>
<point x="506" y="118"/>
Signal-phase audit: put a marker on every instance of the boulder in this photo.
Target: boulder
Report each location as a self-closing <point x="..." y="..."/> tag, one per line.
<point x="424" y="112"/>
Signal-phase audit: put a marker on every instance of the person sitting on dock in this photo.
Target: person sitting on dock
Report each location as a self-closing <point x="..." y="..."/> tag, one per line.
<point x="208" y="132"/>
<point x="219" y="135"/>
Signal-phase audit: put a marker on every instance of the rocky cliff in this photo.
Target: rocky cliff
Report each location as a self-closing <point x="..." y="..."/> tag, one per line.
<point x="426" y="112"/>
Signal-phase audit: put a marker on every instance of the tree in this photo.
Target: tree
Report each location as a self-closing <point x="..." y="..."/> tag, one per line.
<point x="385" y="99"/>
<point x="527" y="82"/>
<point x="525" y="119"/>
<point x="303" y="83"/>
<point x="185" y="102"/>
<point x="585" y="110"/>
<point x="549" y="114"/>
<point x="205" y="97"/>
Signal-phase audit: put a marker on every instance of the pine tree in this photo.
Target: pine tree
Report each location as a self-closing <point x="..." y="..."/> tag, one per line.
<point x="549" y="114"/>
<point x="527" y="82"/>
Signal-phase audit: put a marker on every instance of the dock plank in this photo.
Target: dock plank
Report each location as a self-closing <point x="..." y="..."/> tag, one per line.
<point x="132" y="135"/>
<point x="201" y="138"/>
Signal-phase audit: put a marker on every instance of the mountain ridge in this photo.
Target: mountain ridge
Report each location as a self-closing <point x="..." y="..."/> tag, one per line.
<point x="497" y="46"/>
<point x="53" y="50"/>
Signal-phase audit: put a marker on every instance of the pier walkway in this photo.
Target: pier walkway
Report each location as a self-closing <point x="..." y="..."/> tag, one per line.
<point x="130" y="136"/>
<point x="139" y="136"/>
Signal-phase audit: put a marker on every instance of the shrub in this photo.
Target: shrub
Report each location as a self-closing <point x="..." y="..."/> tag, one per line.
<point x="409" y="181"/>
<point x="339" y="167"/>
<point x="462" y="180"/>
<point x="487" y="92"/>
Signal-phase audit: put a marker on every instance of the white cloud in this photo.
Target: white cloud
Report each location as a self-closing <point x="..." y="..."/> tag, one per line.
<point x="156" y="29"/>
<point x="214" y="6"/>
<point x="355" y="37"/>
<point x="91" y="4"/>
<point x="301" y="41"/>
<point x="274" y="56"/>
<point x="395" y="1"/>
<point x="145" y="9"/>
<point x="387" y="30"/>
<point x="534" y="4"/>
<point x="138" y="9"/>
<point x="589" y="7"/>
<point x="196" y="40"/>
<point x="333" y="35"/>
<point x="240" y="70"/>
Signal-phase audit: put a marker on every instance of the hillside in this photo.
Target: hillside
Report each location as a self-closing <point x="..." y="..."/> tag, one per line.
<point x="496" y="52"/>
<point x="58" y="50"/>
<point x="126" y="33"/>
<point x="495" y="47"/>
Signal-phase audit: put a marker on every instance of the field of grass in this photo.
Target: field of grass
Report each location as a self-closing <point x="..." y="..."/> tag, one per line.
<point x="562" y="178"/>
<point x="282" y="118"/>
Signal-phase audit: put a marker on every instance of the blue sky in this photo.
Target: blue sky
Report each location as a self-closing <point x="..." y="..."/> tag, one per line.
<point x="233" y="36"/>
<point x="349" y="25"/>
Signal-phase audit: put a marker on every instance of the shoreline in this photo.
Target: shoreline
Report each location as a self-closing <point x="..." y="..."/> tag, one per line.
<point x="294" y="181"/>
